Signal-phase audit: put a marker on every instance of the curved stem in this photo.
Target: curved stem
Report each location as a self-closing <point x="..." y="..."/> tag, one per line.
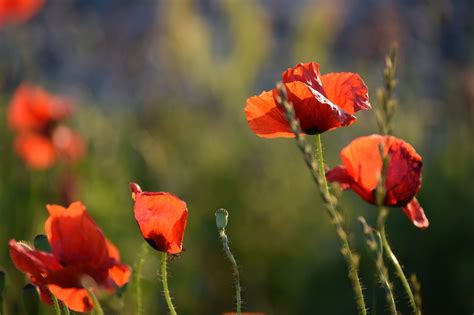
<point x="57" y="310"/>
<point x="337" y="221"/>
<point x="164" y="279"/>
<point x="381" y="269"/>
<point x="66" y="309"/>
<point x="238" y="290"/>
<point x="383" y="212"/>
<point x="97" y="307"/>
<point x="374" y="244"/>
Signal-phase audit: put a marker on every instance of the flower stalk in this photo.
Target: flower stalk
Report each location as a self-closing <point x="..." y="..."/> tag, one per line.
<point x="57" y="309"/>
<point x="374" y="244"/>
<point x="329" y="200"/>
<point x="383" y="212"/>
<point x="164" y="279"/>
<point x="221" y="223"/>
<point x="97" y="307"/>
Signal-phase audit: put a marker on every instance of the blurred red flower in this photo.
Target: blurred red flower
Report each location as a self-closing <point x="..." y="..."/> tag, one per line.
<point x="161" y="217"/>
<point x="18" y="11"/>
<point x="321" y="102"/>
<point x="362" y="167"/>
<point x="80" y="251"/>
<point x="41" y="140"/>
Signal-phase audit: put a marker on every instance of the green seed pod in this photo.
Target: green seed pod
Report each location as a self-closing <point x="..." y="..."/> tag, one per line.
<point x="221" y="218"/>
<point x="41" y="243"/>
<point x="30" y="299"/>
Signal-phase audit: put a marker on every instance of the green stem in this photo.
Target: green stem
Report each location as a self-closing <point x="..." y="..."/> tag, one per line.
<point x="138" y="280"/>
<point x="98" y="309"/>
<point x="337" y="221"/>
<point x="238" y="290"/>
<point x="164" y="279"/>
<point x="383" y="212"/>
<point x="66" y="309"/>
<point x="57" y="309"/>
<point x="382" y="270"/>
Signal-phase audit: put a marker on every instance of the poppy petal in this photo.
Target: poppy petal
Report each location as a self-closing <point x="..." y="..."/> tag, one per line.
<point x="76" y="299"/>
<point x="347" y="90"/>
<point x="45" y="295"/>
<point x="18" y="11"/>
<point x="119" y="273"/>
<point x="36" y="264"/>
<point x="363" y="162"/>
<point x="162" y="220"/>
<point x="33" y="108"/>
<point x="315" y="112"/>
<point x="403" y="176"/>
<point x="416" y="214"/>
<point x="87" y="247"/>
<point x="307" y="73"/>
<point x="339" y="174"/>
<point x="266" y="118"/>
<point x="36" y="150"/>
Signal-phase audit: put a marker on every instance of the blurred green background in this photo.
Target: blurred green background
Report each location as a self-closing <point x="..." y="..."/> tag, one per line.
<point x="160" y="87"/>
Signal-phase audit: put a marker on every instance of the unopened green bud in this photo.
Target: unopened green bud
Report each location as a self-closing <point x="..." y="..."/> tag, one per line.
<point x="221" y="218"/>
<point x="41" y="243"/>
<point x="30" y="299"/>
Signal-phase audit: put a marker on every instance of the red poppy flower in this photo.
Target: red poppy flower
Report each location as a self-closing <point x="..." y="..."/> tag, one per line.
<point x="161" y="217"/>
<point x="362" y="167"/>
<point x="18" y="11"/>
<point x="32" y="108"/>
<point x="79" y="250"/>
<point x="36" y="117"/>
<point x="321" y="102"/>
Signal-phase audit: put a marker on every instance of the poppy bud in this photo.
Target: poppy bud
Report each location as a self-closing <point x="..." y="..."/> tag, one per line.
<point x="30" y="299"/>
<point x="221" y="218"/>
<point x="41" y="243"/>
<point x="161" y="217"/>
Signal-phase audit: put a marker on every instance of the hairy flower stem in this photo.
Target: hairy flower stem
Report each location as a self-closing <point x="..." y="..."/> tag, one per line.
<point x="138" y="280"/>
<point x="329" y="200"/>
<point x="374" y="243"/>
<point x="235" y="268"/>
<point x="97" y="307"/>
<point x="383" y="212"/>
<point x="164" y="279"/>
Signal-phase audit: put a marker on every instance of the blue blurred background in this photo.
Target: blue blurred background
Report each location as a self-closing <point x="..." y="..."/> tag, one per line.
<point x="160" y="87"/>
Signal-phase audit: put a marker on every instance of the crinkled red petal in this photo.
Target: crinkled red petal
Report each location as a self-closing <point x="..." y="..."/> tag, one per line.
<point x="315" y="112"/>
<point x="347" y="90"/>
<point x="266" y="118"/>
